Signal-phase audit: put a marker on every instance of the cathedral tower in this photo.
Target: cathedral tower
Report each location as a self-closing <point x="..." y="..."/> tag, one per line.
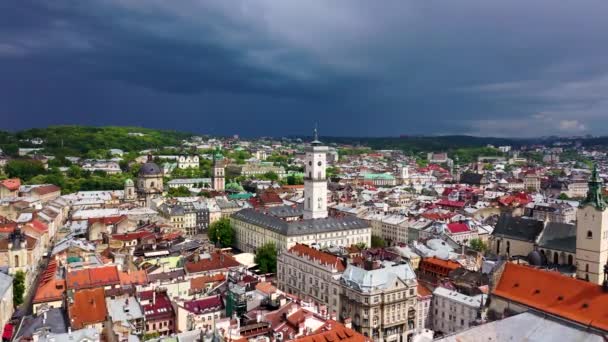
<point x="315" y="181"/>
<point x="592" y="233"/>
<point x="218" y="171"/>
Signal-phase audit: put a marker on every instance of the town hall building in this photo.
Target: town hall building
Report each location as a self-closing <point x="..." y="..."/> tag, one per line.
<point x="304" y="224"/>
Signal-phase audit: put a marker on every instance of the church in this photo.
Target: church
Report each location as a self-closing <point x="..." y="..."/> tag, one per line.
<point x="581" y="247"/>
<point x="304" y="224"/>
<point x="149" y="183"/>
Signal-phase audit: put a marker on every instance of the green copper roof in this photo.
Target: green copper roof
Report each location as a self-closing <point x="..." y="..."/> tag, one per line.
<point x="594" y="194"/>
<point x="240" y="196"/>
<point x="217" y="154"/>
<point x="386" y="176"/>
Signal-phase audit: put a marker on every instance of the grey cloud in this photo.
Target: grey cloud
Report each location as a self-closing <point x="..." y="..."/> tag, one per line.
<point x="361" y="67"/>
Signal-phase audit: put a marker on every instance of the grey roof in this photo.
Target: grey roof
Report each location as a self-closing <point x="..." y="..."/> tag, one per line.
<point x="55" y="323"/>
<point x="518" y="228"/>
<point x="81" y="335"/>
<point x="538" y="327"/>
<point x="150" y="169"/>
<point x="286" y="210"/>
<point x="559" y="236"/>
<point x="382" y="278"/>
<point x="124" y="310"/>
<point x="6" y="281"/>
<point x="299" y="227"/>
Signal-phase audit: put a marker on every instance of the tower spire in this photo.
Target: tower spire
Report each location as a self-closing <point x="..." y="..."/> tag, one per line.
<point x="595" y="196"/>
<point x="315" y="136"/>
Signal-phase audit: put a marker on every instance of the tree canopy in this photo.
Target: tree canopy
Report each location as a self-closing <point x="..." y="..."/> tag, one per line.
<point x="266" y="258"/>
<point x="221" y="230"/>
<point x="378" y="242"/>
<point x="478" y="245"/>
<point x="181" y="191"/>
<point x="18" y="288"/>
<point x="25" y="169"/>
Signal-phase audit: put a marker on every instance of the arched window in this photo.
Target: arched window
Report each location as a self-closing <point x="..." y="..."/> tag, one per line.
<point x="587" y="268"/>
<point x="589" y="234"/>
<point x="152" y="184"/>
<point x="16" y="261"/>
<point x="555" y="258"/>
<point x="570" y="261"/>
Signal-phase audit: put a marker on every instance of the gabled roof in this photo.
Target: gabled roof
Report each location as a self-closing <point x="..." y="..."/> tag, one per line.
<point x="518" y="228"/>
<point x="559" y="236"/>
<point x="576" y="300"/>
<point x="93" y="277"/>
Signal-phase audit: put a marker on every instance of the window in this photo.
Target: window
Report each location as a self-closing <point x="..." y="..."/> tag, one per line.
<point x="16" y="261"/>
<point x="589" y="234"/>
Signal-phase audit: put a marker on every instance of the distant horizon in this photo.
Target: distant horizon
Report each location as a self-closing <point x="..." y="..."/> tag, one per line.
<point x="321" y="135"/>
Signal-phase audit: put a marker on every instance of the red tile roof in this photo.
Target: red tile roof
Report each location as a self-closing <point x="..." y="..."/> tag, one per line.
<point x="576" y="300"/>
<point x="333" y="331"/>
<point x="12" y="184"/>
<point x="218" y="261"/>
<point x="449" y="264"/>
<point x="423" y="291"/>
<point x="139" y="277"/>
<point x="93" y="277"/>
<point x="50" y="288"/>
<point x="205" y="305"/>
<point x="451" y="204"/>
<point x="199" y="283"/>
<point x="88" y="307"/>
<point x="321" y="257"/>
<point x="46" y="189"/>
<point x="132" y="236"/>
<point x="6" y="225"/>
<point x="265" y="287"/>
<point x="159" y="308"/>
<point x="108" y="220"/>
<point x="457" y="227"/>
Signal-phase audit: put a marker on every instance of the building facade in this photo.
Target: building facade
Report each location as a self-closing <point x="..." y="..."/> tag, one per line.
<point x="381" y="301"/>
<point x="453" y="311"/>
<point x="310" y="274"/>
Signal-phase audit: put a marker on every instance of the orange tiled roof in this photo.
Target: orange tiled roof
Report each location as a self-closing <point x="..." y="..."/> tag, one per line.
<point x="218" y="261"/>
<point x="88" y="307"/>
<point x="452" y="265"/>
<point x="50" y="287"/>
<point x="201" y="282"/>
<point x="576" y="300"/>
<point x="133" y="278"/>
<point x="12" y="184"/>
<point x="322" y="257"/>
<point x="93" y="277"/>
<point x="265" y="287"/>
<point x="334" y="332"/>
<point x="108" y="220"/>
<point x="423" y="291"/>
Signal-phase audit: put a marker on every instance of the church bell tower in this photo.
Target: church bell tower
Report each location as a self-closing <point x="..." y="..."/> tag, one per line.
<point x="592" y="233"/>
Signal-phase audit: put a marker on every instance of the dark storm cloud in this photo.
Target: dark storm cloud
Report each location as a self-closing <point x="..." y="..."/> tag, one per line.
<point x="275" y="67"/>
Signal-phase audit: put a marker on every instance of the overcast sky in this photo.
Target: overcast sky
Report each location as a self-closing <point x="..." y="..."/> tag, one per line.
<point x="275" y="67"/>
